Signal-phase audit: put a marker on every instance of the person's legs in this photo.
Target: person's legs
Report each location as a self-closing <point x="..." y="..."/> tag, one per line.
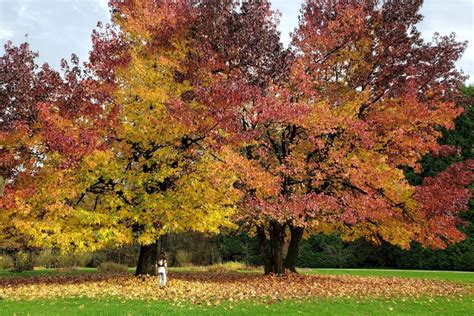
<point x="160" y="279"/>
<point x="164" y="279"/>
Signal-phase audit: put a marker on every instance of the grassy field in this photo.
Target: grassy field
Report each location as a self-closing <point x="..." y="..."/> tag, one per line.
<point x="45" y="272"/>
<point x="82" y="306"/>
<point x="423" y="305"/>
<point x="454" y="276"/>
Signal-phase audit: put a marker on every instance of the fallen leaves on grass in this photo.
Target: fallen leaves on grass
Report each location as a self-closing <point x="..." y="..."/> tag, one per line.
<point x="212" y="288"/>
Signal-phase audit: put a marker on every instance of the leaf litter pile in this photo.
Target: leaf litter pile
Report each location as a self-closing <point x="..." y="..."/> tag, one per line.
<point x="212" y="288"/>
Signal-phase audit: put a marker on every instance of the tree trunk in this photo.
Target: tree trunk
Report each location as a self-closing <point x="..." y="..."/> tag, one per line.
<point x="146" y="259"/>
<point x="293" y="248"/>
<point x="265" y="250"/>
<point x="277" y="236"/>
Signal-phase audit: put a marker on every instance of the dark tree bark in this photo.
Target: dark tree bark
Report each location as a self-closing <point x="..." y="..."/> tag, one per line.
<point x="271" y="248"/>
<point x="265" y="250"/>
<point x="293" y="248"/>
<point x="277" y="236"/>
<point x="146" y="259"/>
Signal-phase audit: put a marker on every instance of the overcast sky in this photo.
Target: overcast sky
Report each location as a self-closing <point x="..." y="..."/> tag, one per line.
<point x="57" y="28"/>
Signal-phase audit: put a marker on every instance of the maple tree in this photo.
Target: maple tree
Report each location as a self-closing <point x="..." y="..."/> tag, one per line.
<point x="177" y="93"/>
<point x="166" y="178"/>
<point x="147" y="171"/>
<point x="45" y="124"/>
<point x="16" y="61"/>
<point x="324" y="149"/>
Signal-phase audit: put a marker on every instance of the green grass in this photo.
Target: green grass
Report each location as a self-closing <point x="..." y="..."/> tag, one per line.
<point x="455" y="276"/>
<point x="83" y="306"/>
<point x="44" y="272"/>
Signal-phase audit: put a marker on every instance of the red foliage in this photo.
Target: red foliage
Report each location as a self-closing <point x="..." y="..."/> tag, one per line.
<point x="441" y="198"/>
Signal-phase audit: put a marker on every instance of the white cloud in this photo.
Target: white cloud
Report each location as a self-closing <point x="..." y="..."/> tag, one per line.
<point x="290" y="11"/>
<point x="6" y="34"/>
<point x="104" y="4"/>
<point x="446" y="17"/>
<point x="22" y="11"/>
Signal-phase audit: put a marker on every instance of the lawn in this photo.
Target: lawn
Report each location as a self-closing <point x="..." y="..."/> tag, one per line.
<point x="196" y="292"/>
<point x="45" y="272"/>
<point x="84" y="306"/>
<point x="455" y="276"/>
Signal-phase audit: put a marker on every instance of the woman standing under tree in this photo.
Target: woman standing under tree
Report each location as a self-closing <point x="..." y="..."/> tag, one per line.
<point x="161" y="267"/>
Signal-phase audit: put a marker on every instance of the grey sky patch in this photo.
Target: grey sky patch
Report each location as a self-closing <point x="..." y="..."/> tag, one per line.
<point x="450" y="16"/>
<point x="58" y="28"/>
<point x="55" y="28"/>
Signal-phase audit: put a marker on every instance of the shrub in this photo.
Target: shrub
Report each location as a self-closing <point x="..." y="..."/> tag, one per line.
<point x="6" y="262"/>
<point x="183" y="258"/>
<point x="69" y="260"/>
<point x="51" y="258"/>
<point x="97" y="259"/>
<point x="47" y="258"/>
<point x="227" y="266"/>
<point x="22" y="261"/>
<point x="112" y="267"/>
